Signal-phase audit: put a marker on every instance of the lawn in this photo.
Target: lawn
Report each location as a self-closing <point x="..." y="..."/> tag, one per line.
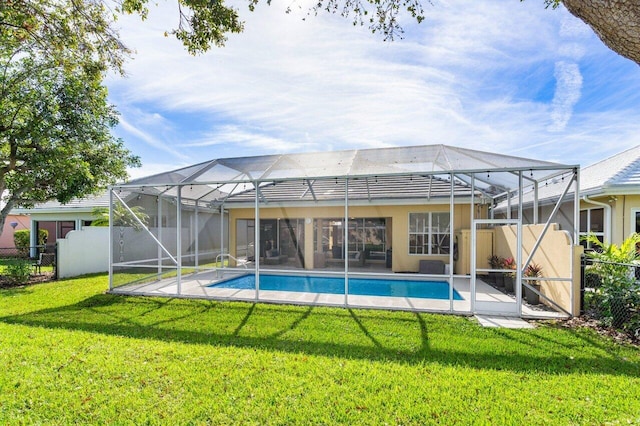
<point x="72" y="354"/>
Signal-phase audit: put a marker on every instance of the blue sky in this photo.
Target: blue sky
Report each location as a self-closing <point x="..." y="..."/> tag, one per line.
<point x="503" y="76"/>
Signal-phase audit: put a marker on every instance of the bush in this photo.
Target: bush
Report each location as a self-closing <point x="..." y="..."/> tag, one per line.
<point x="592" y="279"/>
<point x="616" y="300"/>
<point x="22" y="240"/>
<point x="43" y="236"/>
<point x="18" y="271"/>
<point x="593" y="304"/>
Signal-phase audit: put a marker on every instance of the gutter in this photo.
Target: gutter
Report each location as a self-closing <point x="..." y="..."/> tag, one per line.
<point x="607" y="215"/>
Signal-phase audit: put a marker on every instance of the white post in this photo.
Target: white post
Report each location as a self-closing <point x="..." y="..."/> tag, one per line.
<point x="256" y="244"/>
<point x="179" y="238"/>
<point x="110" y="238"/>
<point x="197" y="237"/>
<point x="535" y="203"/>
<point x="576" y="228"/>
<point x="160" y="237"/>
<point x="451" y="244"/>
<point x="576" y="208"/>
<point x="472" y="249"/>
<point x="222" y="236"/>
<point x="519" y="247"/>
<point x="345" y="243"/>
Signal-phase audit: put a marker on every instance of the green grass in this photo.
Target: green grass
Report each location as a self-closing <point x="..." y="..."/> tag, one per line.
<point x="71" y="354"/>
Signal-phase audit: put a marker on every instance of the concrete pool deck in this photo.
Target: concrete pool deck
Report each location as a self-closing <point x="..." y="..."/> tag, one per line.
<point x="196" y="285"/>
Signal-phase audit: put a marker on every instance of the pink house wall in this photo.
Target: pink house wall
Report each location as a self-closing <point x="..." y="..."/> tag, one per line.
<point x="6" y="239"/>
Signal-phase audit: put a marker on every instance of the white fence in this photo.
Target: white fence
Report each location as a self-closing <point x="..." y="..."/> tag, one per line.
<point x="84" y="252"/>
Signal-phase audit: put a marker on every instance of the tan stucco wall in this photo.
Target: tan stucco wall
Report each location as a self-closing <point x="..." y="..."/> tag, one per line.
<point x="622" y="207"/>
<point x="398" y="232"/>
<point x="556" y="254"/>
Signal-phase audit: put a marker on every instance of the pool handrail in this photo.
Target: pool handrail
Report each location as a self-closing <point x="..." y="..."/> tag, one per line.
<point x="221" y="257"/>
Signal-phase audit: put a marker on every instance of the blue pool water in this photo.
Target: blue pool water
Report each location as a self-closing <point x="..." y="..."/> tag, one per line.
<point x="335" y="285"/>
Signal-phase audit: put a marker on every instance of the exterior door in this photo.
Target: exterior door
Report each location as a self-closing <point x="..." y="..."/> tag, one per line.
<point x="491" y="291"/>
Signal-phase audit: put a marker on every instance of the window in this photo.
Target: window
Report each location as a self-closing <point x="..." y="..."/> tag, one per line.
<point x="368" y="235"/>
<point x="635" y="220"/>
<point x="429" y="233"/>
<point x="591" y="222"/>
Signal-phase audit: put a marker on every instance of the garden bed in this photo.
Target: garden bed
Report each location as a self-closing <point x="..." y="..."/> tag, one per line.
<point x="6" y="282"/>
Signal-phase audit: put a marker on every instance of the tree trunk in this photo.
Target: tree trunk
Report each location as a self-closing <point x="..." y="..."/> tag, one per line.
<point x="616" y="22"/>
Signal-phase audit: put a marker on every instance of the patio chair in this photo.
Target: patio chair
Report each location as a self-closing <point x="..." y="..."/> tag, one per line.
<point x="45" y="259"/>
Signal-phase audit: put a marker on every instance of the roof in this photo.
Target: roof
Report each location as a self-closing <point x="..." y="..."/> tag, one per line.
<point x="621" y="171"/>
<point x="236" y="177"/>
<point x="618" y="174"/>
<point x="86" y="204"/>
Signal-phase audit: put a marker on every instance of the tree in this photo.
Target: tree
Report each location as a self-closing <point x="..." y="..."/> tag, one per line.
<point x="202" y="24"/>
<point x="616" y="22"/>
<point x="71" y="33"/>
<point x="55" y="121"/>
<point x="135" y="218"/>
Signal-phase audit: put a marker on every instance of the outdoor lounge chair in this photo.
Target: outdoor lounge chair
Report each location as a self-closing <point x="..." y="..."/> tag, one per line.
<point x="432" y="267"/>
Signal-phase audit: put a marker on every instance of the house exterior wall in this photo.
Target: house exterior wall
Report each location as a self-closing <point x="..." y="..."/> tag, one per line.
<point x="623" y="215"/>
<point x="623" y="209"/>
<point x="398" y="232"/>
<point x="6" y="239"/>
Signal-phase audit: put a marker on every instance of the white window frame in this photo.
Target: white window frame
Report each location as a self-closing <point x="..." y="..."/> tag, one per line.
<point x="603" y="233"/>
<point x="634" y="212"/>
<point x="428" y="233"/>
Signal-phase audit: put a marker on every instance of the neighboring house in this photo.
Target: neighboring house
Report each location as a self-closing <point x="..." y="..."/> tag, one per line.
<point x="12" y="223"/>
<point x="85" y="250"/>
<point x="60" y="219"/>
<point x="609" y="198"/>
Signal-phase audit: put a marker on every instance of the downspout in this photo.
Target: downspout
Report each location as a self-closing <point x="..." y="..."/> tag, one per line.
<point x="607" y="215"/>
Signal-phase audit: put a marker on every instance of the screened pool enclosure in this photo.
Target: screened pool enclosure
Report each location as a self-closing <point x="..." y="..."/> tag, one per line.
<point x="419" y="215"/>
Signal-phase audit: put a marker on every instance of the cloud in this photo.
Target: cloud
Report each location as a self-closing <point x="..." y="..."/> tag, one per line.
<point x="230" y="135"/>
<point x="476" y="74"/>
<point x="137" y="132"/>
<point x="567" y="94"/>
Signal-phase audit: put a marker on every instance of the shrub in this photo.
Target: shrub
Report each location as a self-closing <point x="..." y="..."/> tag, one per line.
<point x="18" y="271"/>
<point x="619" y="294"/>
<point x="592" y="279"/>
<point x="22" y="240"/>
<point x="43" y="236"/>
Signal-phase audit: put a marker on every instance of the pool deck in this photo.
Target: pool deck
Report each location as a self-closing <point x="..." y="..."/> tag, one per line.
<point x="196" y="286"/>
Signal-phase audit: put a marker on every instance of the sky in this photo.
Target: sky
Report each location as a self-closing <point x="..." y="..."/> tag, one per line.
<point x="504" y="76"/>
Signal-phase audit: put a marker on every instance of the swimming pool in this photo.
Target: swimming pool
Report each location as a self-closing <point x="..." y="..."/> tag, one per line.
<point x="335" y="285"/>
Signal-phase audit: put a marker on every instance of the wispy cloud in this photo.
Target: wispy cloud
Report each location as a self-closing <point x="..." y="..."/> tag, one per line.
<point x="567" y="94"/>
<point x="484" y="74"/>
<point x="148" y="138"/>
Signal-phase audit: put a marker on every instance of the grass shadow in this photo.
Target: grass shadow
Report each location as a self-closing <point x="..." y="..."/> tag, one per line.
<point x="331" y="332"/>
<point x="11" y="290"/>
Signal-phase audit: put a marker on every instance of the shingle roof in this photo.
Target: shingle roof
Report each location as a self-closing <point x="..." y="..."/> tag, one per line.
<point x="617" y="174"/>
<point x="622" y="169"/>
<point x="77" y="204"/>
